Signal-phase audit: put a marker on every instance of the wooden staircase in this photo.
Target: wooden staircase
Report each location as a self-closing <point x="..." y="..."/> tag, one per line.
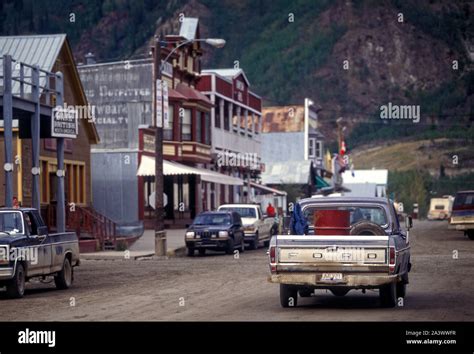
<point x="95" y="231"/>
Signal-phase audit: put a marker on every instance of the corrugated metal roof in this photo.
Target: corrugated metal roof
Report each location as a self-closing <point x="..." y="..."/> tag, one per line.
<point x="283" y="119"/>
<point x="227" y="73"/>
<point x="289" y="172"/>
<point x="41" y="50"/>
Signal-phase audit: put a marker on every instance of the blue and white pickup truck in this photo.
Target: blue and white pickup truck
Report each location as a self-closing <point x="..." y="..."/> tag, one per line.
<point x="364" y="248"/>
<point x="27" y="250"/>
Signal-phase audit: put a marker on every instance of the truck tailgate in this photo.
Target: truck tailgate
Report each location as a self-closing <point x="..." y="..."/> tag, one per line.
<point x="327" y="251"/>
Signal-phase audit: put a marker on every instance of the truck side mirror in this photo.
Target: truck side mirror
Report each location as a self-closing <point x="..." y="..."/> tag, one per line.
<point x="408" y="222"/>
<point x="42" y="231"/>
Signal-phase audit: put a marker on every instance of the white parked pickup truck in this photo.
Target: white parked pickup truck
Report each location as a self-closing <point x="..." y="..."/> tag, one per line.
<point x="341" y="244"/>
<point x="257" y="226"/>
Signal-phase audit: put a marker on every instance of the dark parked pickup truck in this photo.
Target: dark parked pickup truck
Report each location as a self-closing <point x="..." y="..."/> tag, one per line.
<point x="221" y="230"/>
<point x="27" y="250"/>
<point x="346" y="243"/>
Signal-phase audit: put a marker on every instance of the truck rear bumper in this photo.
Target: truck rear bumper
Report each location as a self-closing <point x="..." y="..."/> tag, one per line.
<point x="348" y="280"/>
<point x="461" y="227"/>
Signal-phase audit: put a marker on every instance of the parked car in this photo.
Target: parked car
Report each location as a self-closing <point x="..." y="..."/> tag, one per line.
<point x="257" y="226"/>
<point x="27" y="251"/>
<point x="441" y="208"/>
<point x="217" y="230"/>
<point x="344" y="243"/>
<point x="462" y="216"/>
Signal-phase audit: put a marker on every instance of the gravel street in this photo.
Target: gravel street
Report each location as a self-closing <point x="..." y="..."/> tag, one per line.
<point x="220" y="287"/>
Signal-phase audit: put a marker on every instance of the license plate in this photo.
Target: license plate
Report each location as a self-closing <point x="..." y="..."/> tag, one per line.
<point x="331" y="276"/>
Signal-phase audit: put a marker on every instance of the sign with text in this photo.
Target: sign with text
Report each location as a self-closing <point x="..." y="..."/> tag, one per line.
<point x="167" y="68"/>
<point x="159" y="104"/>
<point x="64" y="123"/>
<point x="165" y="106"/>
<point x="149" y="143"/>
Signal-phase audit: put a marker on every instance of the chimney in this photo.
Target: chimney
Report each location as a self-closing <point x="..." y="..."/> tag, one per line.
<point x="90" y="58"/>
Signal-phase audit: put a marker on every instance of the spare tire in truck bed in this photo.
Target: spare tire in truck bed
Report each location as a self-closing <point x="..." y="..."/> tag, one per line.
<point x="365" y="227"/>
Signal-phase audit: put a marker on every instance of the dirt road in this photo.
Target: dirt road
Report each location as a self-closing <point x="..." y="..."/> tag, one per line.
<point x="219" y="287"/>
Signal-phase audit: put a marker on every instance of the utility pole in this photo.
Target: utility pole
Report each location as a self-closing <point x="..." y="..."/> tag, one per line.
<point x="160" y="234"/>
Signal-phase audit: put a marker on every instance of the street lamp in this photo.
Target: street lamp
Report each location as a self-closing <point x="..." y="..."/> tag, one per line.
<point x="160" y="234"/>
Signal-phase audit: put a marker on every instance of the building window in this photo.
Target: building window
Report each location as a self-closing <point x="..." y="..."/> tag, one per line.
<point x="186" y="125"/>
<point x="74" y="182"/>
<point x="168" y="130"/>
<point x="319" y="149"/>
<point x="226" y="117"/>
<point x="199" y="126"/>
<point x="207" y="129"/>
<point x="235" y="120"/>
<point x="217" y="116"/>
<point x="51" y="144"/>
<point x="312" y="147"/>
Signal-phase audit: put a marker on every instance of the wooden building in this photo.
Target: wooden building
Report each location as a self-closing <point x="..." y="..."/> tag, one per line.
<point x="52" y="53"/>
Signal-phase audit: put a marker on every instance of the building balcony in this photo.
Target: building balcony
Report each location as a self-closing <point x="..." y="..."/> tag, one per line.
<point x="191" y="151"/>
<point x="233" y="141"/>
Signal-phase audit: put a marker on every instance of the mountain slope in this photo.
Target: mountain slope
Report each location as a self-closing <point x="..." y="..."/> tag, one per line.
<point x="396" y="51"/>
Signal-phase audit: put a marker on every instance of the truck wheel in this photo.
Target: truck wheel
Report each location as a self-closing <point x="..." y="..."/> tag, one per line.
<point x="288" y="295"/>
<point x="230" y="246"/>
<point x="255" y="242"/>
<point x="401" y="289"/>
<point x="388" y="295"/>
<point x="16" y="286"/>
<point x="470" y="234"/>
<point x="65" y="277"/>
<point x="190" y="252"/>
<point x="365" y="227"/>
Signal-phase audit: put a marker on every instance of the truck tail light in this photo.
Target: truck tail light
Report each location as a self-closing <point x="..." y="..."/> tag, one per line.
<point x="273" y="259"/>
<point x="392" y="259"/>
<point x="272" y="254"/>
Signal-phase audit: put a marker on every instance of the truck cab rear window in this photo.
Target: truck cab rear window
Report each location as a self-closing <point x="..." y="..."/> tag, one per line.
<point x="339" y="220"/>
<point x="243" y="212"/>
<point x="464" y="199"/>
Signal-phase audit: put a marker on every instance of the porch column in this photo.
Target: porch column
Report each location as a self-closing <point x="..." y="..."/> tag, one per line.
<point x="60" y="173"/>
<point x="253" y="124"/>
<point x="213" y="111"/>
<point x="221" y="113"/>
<point x="230" y="113"/>
<point x="239" y="123"/>
<point x="8" y="129"/>
<point x="35" y="139"/>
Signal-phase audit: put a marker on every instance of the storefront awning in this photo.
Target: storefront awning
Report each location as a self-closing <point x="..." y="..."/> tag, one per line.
<point x="147" y="168"/>
<point x="267" y="189"/>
